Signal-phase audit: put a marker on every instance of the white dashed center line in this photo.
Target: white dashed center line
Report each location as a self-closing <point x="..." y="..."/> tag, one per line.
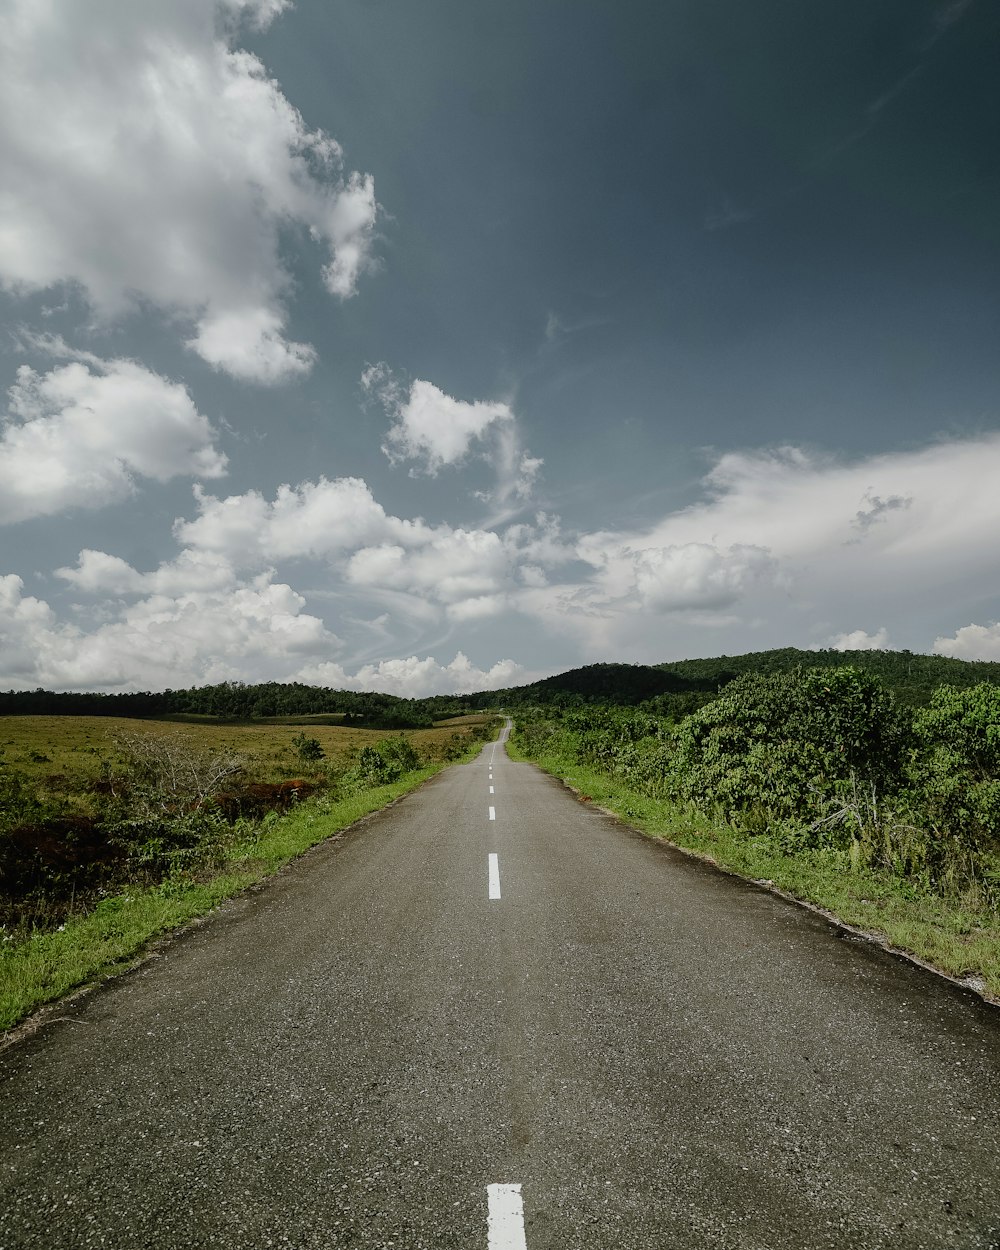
<point x="505" y="1225"/>
<point x="493" y="813"/>
<point x="491" y="789"/>
<point x="494" y="874"/>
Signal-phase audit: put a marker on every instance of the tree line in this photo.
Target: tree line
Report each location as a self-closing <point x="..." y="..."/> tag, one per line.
<point x="671" y="691"/>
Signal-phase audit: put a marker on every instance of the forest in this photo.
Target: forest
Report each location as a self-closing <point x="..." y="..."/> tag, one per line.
<point x="237" y="701"/>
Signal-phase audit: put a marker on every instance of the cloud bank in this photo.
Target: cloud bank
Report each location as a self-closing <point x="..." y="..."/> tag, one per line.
<point x="771" y="555"/>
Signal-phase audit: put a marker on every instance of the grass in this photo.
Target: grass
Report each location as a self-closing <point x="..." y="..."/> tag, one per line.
<point x="956" y="937"/>
<point x="54" y="748"/>
<point x="47" y="965"/>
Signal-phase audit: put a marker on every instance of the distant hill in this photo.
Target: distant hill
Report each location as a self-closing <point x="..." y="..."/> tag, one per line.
<point x="678" y="687"/>
<point x="912" y="677"/>
<point x="614" y="683"/>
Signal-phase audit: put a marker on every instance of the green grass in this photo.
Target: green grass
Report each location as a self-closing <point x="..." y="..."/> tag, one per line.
<point x="957" y="937"/>
<point x="61" y="752"/>
<point x="48" y="965"/>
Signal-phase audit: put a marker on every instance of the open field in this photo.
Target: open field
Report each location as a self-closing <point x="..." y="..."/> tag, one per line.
<point x="59" y="750"/>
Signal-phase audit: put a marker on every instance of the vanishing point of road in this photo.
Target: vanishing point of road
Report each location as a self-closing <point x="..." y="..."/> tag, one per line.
<point x="493" y="1018"/>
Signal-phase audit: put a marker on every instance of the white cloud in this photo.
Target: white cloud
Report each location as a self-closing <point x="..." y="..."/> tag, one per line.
<point x="432" y="430"/>
<point x="782" y="545"/>
<point x="97" y="573"/>
<point x="147" y="158"/>
<point x="24" y="621"/>
<point x="465" y="573"/>
<point x="314" y="519"/>
<point x="414" y="678"/>
<point x="248" y="344"/>
<point x="449" y="566"/>
<point x="218" y="606"/>
<point x="698" y="575"/>
<point x="516" y="471"/>
<point x="859" y="640"/>
<point x="435" y="430"/>
<point x="971" y="642"/>
<point x="252" y="631"/>
<point x="79" y="436"/>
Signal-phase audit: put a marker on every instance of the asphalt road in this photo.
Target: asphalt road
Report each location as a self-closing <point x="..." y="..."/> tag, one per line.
<point x="624" y="1049"/>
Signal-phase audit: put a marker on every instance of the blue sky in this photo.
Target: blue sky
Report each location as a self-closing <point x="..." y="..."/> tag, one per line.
<point x="430" y="347"/>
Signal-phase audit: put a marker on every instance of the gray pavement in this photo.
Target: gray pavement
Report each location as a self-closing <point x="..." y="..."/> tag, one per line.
<point x="658" y="1056"/>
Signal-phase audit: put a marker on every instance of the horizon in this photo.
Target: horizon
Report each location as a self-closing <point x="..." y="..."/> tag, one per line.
<point x="456" y="694"/>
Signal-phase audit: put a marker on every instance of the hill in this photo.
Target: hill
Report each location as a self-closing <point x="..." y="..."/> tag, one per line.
<point x="910" y="676"/>
<point x="679" y="686"/>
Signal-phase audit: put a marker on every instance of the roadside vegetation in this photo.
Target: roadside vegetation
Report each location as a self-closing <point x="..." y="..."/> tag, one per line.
<point x="114" y="832"/>
<point x="822" y="783"/>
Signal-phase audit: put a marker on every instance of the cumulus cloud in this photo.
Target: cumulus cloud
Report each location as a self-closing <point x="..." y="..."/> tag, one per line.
<point x="433" y="429"/>
<point x="859" y="640"/>
<point x="971" y="642"/>
<point x="783" y="545"/>
<point x="314" y="519"/>
<point x="80" y="434"/>
<point x="417" y="678"/>
<point x="251" y="631"/>
<point x="698" y="575"/>
<point x="148" y="158"/>
<point x="465" y="573"/>
<point x="98" y="573"/>
<point x="248" y="343"/>
<point x="420" y="577"/>
<point x="451" y="566"/>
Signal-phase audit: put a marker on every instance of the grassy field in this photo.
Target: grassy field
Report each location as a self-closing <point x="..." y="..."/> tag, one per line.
<point x="57" y="750"/>
<point x="954" y="936"/>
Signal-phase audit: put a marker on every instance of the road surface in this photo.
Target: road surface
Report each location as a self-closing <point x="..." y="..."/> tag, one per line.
<point x="492" y="1017"/>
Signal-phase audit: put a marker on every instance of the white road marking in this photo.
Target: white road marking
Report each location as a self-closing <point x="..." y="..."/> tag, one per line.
<point x="493" y="813"/>
<point x="505" y="1226"/>
<point x="494" y="873"/>
<point x="491" y="789"/>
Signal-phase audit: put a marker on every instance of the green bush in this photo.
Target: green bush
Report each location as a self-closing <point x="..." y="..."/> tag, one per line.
<point x="955" y="778"/>
<point x="309" y="750"/>
<point x="384" y="762"/>
<point x="784" y="746"/>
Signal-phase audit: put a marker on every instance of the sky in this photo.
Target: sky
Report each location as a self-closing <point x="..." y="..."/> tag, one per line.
<point x="436" y="347"/>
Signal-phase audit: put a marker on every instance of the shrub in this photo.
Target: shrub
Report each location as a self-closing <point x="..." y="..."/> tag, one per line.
<point x="386" y="761"/>
<point x="308" y="749"/>
<point x="785" y="745"/>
